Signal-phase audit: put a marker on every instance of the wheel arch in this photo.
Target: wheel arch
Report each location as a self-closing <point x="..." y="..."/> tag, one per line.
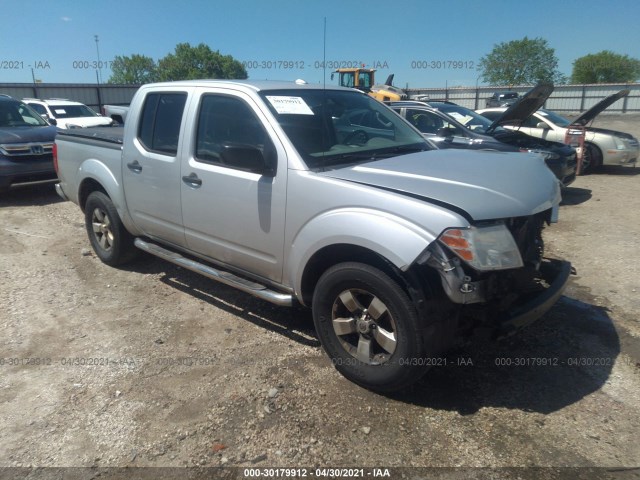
<point x="334" y="254"/>
<point x="420" y="283"/>
<point x="87" y="187"/>
<point x="353" y="234"/>
<point x="96" y="176"/>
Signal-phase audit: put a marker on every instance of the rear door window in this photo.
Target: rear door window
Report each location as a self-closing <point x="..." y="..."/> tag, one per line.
<point x="159" y="127"/>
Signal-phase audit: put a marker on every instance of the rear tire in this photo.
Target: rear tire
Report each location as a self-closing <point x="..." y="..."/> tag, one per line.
<point x="369" y="327"/>
<point x="112" y="243"/>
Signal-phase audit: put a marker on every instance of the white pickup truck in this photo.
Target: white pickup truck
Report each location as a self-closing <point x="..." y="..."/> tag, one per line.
<point x="323" y="197"/>
<point x="117" y="113"/>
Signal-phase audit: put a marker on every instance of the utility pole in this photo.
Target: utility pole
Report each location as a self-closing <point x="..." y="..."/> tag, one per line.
<point x="99" y="71"/>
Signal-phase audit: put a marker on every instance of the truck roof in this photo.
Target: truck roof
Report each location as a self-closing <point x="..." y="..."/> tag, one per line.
<point x="256" y="85"/>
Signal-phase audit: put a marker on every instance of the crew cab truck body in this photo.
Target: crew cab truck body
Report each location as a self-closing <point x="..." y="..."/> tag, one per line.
<point x="327" y="198"/>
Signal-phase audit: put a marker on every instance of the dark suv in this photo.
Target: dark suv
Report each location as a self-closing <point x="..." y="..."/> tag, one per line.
<point x="26" y="145"/>
<point x="502" y="99"/>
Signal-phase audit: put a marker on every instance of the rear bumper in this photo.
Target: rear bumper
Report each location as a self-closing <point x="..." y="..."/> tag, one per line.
<point x="61" y="193"/>
<point x="556" y="273"/>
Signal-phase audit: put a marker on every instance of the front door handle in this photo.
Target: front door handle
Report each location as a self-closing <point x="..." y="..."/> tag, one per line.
<point x="192" y="180"/>
<point x="134" y="166"/>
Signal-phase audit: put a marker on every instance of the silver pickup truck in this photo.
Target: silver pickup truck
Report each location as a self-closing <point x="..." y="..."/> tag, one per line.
<point x="324" y="197"/>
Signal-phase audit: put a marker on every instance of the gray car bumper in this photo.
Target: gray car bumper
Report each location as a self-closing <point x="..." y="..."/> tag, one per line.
<point x="60" y="192"/>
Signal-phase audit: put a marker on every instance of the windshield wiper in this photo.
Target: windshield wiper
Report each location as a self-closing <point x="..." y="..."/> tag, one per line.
<point x="411" y="148"/>
<point x="352" y="158"/>
<point x="400" y="150"/>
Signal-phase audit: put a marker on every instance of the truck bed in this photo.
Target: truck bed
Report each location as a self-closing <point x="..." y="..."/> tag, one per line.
<point x="107" y="134"/>
<point x="79" y="149"/>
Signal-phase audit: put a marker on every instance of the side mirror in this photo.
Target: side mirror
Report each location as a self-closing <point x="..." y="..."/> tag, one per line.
<point x="542" y="125"/>
<point x="52" y="121"/>
<point x="250" y="158"/>
<point x="446" y="133"/>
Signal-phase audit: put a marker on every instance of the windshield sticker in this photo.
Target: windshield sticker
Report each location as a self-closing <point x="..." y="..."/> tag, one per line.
<point x="60" y="111"/>
<point x="463" y="119"/>
<point x="289" y="105"/>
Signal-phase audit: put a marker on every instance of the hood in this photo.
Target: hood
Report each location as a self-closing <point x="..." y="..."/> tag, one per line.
<point x="27" y="134"/>
<point x="480" y="185"/>
<point x="606" y="131"/>
<point x="524" y="107"/>
<point x="599" y="107"/>
<point x="84" y="122"/>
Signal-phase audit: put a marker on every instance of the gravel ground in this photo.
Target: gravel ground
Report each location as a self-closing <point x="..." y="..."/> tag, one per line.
<point x="151" y="365"/>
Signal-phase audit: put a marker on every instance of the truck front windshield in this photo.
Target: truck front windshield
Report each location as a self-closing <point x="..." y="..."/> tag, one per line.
<point x="332" y="127"/>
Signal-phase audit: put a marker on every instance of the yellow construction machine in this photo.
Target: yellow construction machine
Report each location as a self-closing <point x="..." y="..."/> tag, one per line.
<point x="364" y="79"/>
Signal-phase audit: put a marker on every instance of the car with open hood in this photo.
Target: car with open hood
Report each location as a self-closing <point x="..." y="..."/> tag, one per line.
<point x="449" y="125"/>
<point x="26" y="144"/>
<point x="601" y="147"/>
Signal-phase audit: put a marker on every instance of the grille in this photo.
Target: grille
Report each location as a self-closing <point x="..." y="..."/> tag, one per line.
<point x="26" y="149"/>
<point x="527" y="232"/>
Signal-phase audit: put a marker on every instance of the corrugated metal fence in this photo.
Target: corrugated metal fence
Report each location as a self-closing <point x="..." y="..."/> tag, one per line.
<point x="92" y="95"/>
<point x="565" y="98"/>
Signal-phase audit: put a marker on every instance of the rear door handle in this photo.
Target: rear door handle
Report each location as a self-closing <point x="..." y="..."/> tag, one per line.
<point x="192" y="180"/>
<point x="134" y="166"/>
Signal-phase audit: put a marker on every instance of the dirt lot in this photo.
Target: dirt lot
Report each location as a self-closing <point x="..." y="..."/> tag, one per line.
<point x="152" y="365"/>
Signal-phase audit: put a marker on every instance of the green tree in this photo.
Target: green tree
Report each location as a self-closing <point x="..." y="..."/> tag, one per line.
<point x="605" y="67"/>
<point x="136" y="69"/>
<point x="189" y="63"/>
<point x="521" y="62"/>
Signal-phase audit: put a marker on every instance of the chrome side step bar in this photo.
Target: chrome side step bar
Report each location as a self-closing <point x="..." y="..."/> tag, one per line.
<point x="256" y="289"/>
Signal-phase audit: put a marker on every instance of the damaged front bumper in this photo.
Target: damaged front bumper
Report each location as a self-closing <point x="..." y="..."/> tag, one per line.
<point x="556" y="274"/>
<point x="501" y="302"/>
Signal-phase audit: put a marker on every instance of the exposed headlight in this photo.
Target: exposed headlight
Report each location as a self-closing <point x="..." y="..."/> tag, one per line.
<point x="484" y="248"/>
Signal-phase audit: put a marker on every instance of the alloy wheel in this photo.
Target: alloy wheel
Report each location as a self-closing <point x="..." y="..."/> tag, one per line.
<point x="364" y="326"/>
<point x="101" y="225"/>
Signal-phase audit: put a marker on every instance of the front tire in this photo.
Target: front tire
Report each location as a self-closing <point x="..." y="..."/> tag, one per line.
<point x="112" y="243"/>
<point x="592" y="159"/>
<point x="369" y="327"/>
